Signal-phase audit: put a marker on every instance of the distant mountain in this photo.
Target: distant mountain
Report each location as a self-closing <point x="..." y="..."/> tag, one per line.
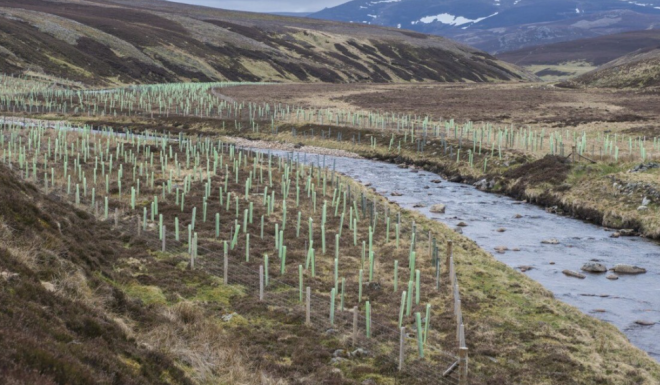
<point x="640" y="69"/>
<point x="595" y="51"/>
<point x="107" y="42"/>
<point x="502" y="25"/>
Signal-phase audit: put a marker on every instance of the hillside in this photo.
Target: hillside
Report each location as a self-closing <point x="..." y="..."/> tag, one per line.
<point x="596" y="51"/>
<point x="499" y="26"/>
<point x="150" y="41"/>
<point x="640" y="69"/>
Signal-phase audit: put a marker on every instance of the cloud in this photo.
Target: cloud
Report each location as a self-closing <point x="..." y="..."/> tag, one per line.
<point x="267" y="5"/>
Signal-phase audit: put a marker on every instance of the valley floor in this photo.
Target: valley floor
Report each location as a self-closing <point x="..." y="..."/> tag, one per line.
<point x="517" y="332"/>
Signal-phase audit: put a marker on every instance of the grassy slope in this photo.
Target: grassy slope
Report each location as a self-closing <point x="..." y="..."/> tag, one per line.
<point x="640" y="69"/>
<point x="119" y="42"/>
<point x="596" y="51"/>
<point x="517" y="332"/>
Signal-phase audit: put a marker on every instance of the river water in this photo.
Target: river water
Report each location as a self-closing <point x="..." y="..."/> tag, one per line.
<point x="620" y="302"/>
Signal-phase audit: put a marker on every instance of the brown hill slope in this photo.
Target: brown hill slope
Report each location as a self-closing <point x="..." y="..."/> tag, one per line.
<point x="596" y="51"/>
<point x="640" y="69"/>
<point x="57" y="314"/>
<point x="115" y="42"/>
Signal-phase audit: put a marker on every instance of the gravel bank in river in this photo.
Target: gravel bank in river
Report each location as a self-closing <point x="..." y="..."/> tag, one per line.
<point x="285" y="146"/>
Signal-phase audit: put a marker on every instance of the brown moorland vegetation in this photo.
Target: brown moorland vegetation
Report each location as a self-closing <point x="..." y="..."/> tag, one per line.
<point x="120" y="42"/>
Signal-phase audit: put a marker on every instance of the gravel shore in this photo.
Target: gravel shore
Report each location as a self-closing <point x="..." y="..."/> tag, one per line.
<point x="241" y="142"/>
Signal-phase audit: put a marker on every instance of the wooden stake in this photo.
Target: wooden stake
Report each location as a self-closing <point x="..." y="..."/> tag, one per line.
<point x="261" y="282"/>
<point x="226" y="270"/>
<point x="163" y="250"/>
<point x="449" y="253"/>
<point x="402" y="343"/>
<point x="308" y="306"/>
<point x="463" y="366"/>
<point x="355" y="325"/>
<point x="430" y="242"/>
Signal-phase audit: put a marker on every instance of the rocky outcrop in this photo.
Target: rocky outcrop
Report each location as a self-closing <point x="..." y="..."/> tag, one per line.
<point x="628" y="269"/>
<point x="574" y="274"/>
<point x="438" y="209"/>
<point x="594" y="267"/>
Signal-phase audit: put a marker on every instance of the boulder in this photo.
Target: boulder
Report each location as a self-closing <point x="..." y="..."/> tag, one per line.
<point x="359" y="352"/>
<point x="501" y="249"/>
<point x="612" y="277"/>
<point x="484" y="184"/>
<point x="48" y="286"/>
<point x="551" y="241"/>
<point x="574" y="274"/>
<point x="339" y="353"/>
<point x="645" y="167"/>
<point x="615" y="235"/>
<point x="436" y="181"/>
<point x="645" y="323"/>
<point x="461" y="224"/>
<point x="8" y="276"/>
<point x="518" y="216"/>
<point x="419" y="205"/>
<point x="501" y="230"/>
<point x="594" y="267"/>
<point x="337" y="360"/>
<point x="456" y="179"/>
<point x="628" y="269"/>
<point x="627" y="232"/>
<point x="525" y="268"/>
<point x="438" y="208"/>
<point x="396" y="194"/>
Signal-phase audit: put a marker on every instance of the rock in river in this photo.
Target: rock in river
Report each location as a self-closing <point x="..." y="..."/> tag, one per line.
<point x="612" y="277"/>
<point x="628" y="269"/>
<point x="593" y="267"/>
<point x="438" y="209"/>
<point x="552" y="241"/>
<point x="575" y="274"/>
<point x="501" y="249"/>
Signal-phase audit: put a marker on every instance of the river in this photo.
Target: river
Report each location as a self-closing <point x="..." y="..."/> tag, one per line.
<point x="620" y="302"/>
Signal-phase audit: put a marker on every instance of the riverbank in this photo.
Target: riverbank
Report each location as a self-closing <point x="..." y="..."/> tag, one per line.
<point x="606" y="194"/>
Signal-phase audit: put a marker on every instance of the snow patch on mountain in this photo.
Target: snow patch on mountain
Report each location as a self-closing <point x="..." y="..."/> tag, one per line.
<point x="446" y="18"/>
<point x="640" y="4"/>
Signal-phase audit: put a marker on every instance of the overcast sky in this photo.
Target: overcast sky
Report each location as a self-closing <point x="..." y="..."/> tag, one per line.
<point x="267" y="5"/>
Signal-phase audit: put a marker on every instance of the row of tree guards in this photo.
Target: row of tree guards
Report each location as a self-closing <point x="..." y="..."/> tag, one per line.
<point x="200" y="100"/>
<point x="207" y="192"/>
